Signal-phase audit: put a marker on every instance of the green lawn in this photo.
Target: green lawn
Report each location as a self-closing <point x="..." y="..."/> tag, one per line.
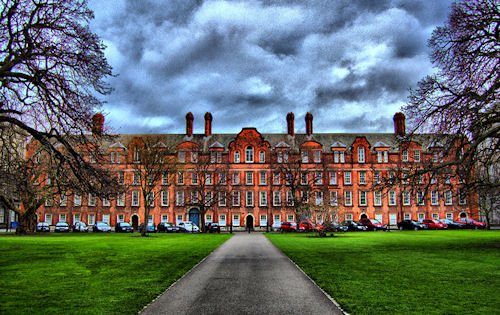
<point x="94" y="274"/>
<point x="422" y="272"/>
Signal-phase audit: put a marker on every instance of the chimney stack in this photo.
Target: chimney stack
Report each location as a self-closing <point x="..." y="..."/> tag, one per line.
<point x="97" y="124"/>
<point x="309" y="123"/>
<point x="290" y="117"/>
<point x="189" y="124"/>
<point x="208" y="124"/>
<point x="399" y="124"/>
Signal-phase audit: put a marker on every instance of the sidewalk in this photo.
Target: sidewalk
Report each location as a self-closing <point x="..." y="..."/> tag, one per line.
<point x="246" y="275"/>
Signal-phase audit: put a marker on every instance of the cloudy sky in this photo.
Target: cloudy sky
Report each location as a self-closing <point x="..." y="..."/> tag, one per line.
<point x="349" y="62"/>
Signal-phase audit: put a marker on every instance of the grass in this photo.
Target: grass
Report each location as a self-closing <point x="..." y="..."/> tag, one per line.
<point x="94" y="273"/>
<point x="422" y="272"/>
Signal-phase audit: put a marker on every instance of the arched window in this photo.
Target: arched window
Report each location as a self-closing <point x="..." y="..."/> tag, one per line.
<point x="262" y="157"/>
<point x="361" y="155"/>
<point x="237" y="157"/>
<point x="249" y="155"/>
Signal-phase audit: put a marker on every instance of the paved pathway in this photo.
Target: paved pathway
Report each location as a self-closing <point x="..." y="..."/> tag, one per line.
<point x="246" y="275"/>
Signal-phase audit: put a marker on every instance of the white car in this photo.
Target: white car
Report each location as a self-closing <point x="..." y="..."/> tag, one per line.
<point x="276" y="225"/>
<point x="189" y="227"/>
<point x="80" y="227"/>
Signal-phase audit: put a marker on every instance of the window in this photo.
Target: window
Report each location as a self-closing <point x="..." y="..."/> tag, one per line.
<point x="180" y="178"/>
<point x="361" y="155"/>
<point x="63" y="200"/>
<point x="262" y="180"/>
<point x="449" y="216"/>
<point x="392" y="198"/>
<point x="303" y="178"/>
<point x="280" y="157"/>
<point x="215" y="156"/>
<point x="249" y="177"/>
<point x="120" y="200"/>
<point x="434" y="198"/>
<point x="407" y="216"/>
<point x="362" y="198"/>
<point x="276" y="198"/>
<point x="135" y="198"/>
<point x="377" y="198"/>
<point x="179" y="198"/>
<point x="376" y="177"/>
<point x="249" y="154"/>
<point x="420" y="198"/>
<point x="318" y="178"/>
<point x="289" y="198"/>
<point x="48" y="218"/>
<point x="435" y="216"/>
<point x="262" y="198"/>
<point x="263" y="220"/>
<point x="115" y="157"/>
<point x="222" y="219"/>
<point x="121" y="177"/>
<point x="362" y="177"/>
<point x="447" y="179"/>
<point x="105" y="218"/>
<point x="236" y="198"/>
<point x="347" y="178"/>
<point x="405" y="155"/>
<point x="77" y="199"/>
<point x="164" y="218"/>
<point x="236" y="178"/>
<point x="333" y="178"/>
<point x="319" y="198"/>
<point x="342" y="157"/>
<point x="137" y="157"/>
<point x="304" y="156"/>
<point x="276" y="178"/>
<point x="262" y="157"/>
<point x="209" y="198"/>
<point x="462" y="197"/>
<point x="92" y="200"/>
<point x="348" y="217"/>
<point x="135" y="178"/>
<point x="338" y="157"/>
<point x="277" y="218"/>
<point x="237" y="157"/>
<point x="181" y="156"/>
<point x="194" y="178"/>
<point x="421" y="217"/>
<point x="164" y="178"/>
<point x="208" y="218"/>
<point x="386" y="156"/>
<point x="416" y="156"/>
<point x="348" y="198"/>
<point x="448" y="199"/>
<point x="194" y="197"/>
<point x="290" y="218"/>
<point x="62" y="217"/>
<point x="379" y="156"/>
<point x="304" y="196"/>
<point x="317" y="156"/>
<point x="209" y="178"/>
<point x="91" y="219"/>
<point x="333" y="198"/>
<point x="194" y="157"/>
<point x="406" y="198"/>
<point x="222" y="178"/>
<point x="150" y="219"/>
<point x="249" y="198"/>
<point x="222" y="198"/>
<point x="105" y="202"/>
<point x="164" y="198"/>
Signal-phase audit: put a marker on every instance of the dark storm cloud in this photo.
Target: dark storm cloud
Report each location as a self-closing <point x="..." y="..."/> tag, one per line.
<point x="250" y="62"/>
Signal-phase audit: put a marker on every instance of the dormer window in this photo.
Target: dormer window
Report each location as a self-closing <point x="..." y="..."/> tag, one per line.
<point x="361" y="155"/>
<point x="317" y="156"/>
<point x="237" y="157"/>
<point x="249" y="154"/>
<point x="416" y="156"/>
<point x="305" y="157"/>
<point x="181" y="157"/>
<point x="262" y="157"/>
<point x="194" y="157"/>
<point x="405" y="155"/>
<point x="137" y="157"/>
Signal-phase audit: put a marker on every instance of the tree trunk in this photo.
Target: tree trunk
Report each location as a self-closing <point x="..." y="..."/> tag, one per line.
<point x="144" y="231"/>
<point x="27" y="223"/>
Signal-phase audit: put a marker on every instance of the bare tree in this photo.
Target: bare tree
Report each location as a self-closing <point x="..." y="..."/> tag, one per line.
<point x="209" y="178"/>
<point x="153" y="160"/>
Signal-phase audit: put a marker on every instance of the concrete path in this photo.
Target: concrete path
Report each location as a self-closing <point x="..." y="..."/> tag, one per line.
<point x="246" y="275"/>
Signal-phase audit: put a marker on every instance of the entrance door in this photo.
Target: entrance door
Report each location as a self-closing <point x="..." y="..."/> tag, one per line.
<point x="135" y="222"/>
<point x="194" y="216"/>
<point x="249" y="222"/>
<point x="363" y="216"/>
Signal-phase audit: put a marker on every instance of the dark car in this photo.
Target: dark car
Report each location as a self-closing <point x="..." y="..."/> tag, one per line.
<point x="212" y="227"/>
<point x="373" y="224"/>
<point x="472" y="224"/>
<point x="452" y="225"/>
<point x="123" y="227"/>
<point x="288" y="227"/>
<point x="80" y="227"/>
<point x="101" y="227"/>
<point x="167" y="227"/>
<point x="411" y="225"/>
<point x="354" y="226"/>
<point x="61" y="227"/>
<point x="43" y="227"/>
<point x="306" y="226"/>
<point x="434" y="224"/>
<point x="340" y="227"/>
<point x="150" y="229"/>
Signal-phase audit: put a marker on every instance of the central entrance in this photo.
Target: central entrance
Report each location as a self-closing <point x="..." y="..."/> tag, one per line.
<point x="194" y="216"/>
<point x="249" y="222"/>
<point x="135" y="222"/>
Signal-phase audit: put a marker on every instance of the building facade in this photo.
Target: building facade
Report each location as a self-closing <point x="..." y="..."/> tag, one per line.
<point x="337" y="171"/>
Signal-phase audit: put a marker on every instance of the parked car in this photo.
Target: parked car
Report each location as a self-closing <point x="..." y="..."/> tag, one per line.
<point x="472" y="224"/>
<point x="276" y="225"/>
<point x="373" y="224"/>
<point x="411" y="225"/>
<point x="306" y="226"/>
<point x="288" y="227"/>
<point x="189" y="227"/>
<point x="101" y="227"/>
<point x="354" y="226"/>
<point x="151" y="228"/>
<point x="212" y="227"/>
<point x="80" y="227"/>
<point x="42" y="227"/>
<point x="123" y="227"/>
<point x="434" y="224"/>
<point x="453" y="225"/>
<point x="332" y="227"/>
<point x="61" y="227"/>
<point x="167" y="227"/>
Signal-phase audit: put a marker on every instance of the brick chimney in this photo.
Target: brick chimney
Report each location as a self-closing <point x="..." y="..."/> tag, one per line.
<point x="309" y="123"/>
<point x="97" y="124"/>
<point x="189" y="124"/>
<point x="290" y="124"/>
<point x="208" y="124"/>
<point x="399" y="124"/>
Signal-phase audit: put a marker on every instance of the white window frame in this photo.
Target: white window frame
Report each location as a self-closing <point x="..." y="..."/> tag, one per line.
<point x="92" y="202"/>
<point x="249" y="178"/>
<point x="249" y="154"/>
<point x="317" y="156"/>
<point x="348" y="198"/>
<point x="249" y="199"/>
<point x="236" y="198"/>
<point x="276" y="198"/>
<point x="347" y="178"/>
<point x="334" y="198"/>
<point x="362" y="177"/>
<point x="392" y="198"/>
<point x="262" y="198"/>
<point x="363" y="200"/>
<point x="435" y="198"/>
<point x="377" y="198"/>
<point x="222" y="199"/>
<point x="262" y="178"/>
<point x="120" y="200"/>
<point x="416" y="156"/>
<point x="164" y="198"/>
<point x="179" y="198"/>
<point x="135" y="198"/>
<point x="332" y="178"/>
<point x="406" y="198"/>
<point x="181" y="156"/>
<point x="361" y="155"/>
<point x="404" y="155"/>
<point x="448" y="198"/>
<point x="262" y="157"/>
<point x="77" y="199"/>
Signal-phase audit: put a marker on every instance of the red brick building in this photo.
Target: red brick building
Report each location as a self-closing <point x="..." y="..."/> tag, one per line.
<point x="345" y="169"/>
